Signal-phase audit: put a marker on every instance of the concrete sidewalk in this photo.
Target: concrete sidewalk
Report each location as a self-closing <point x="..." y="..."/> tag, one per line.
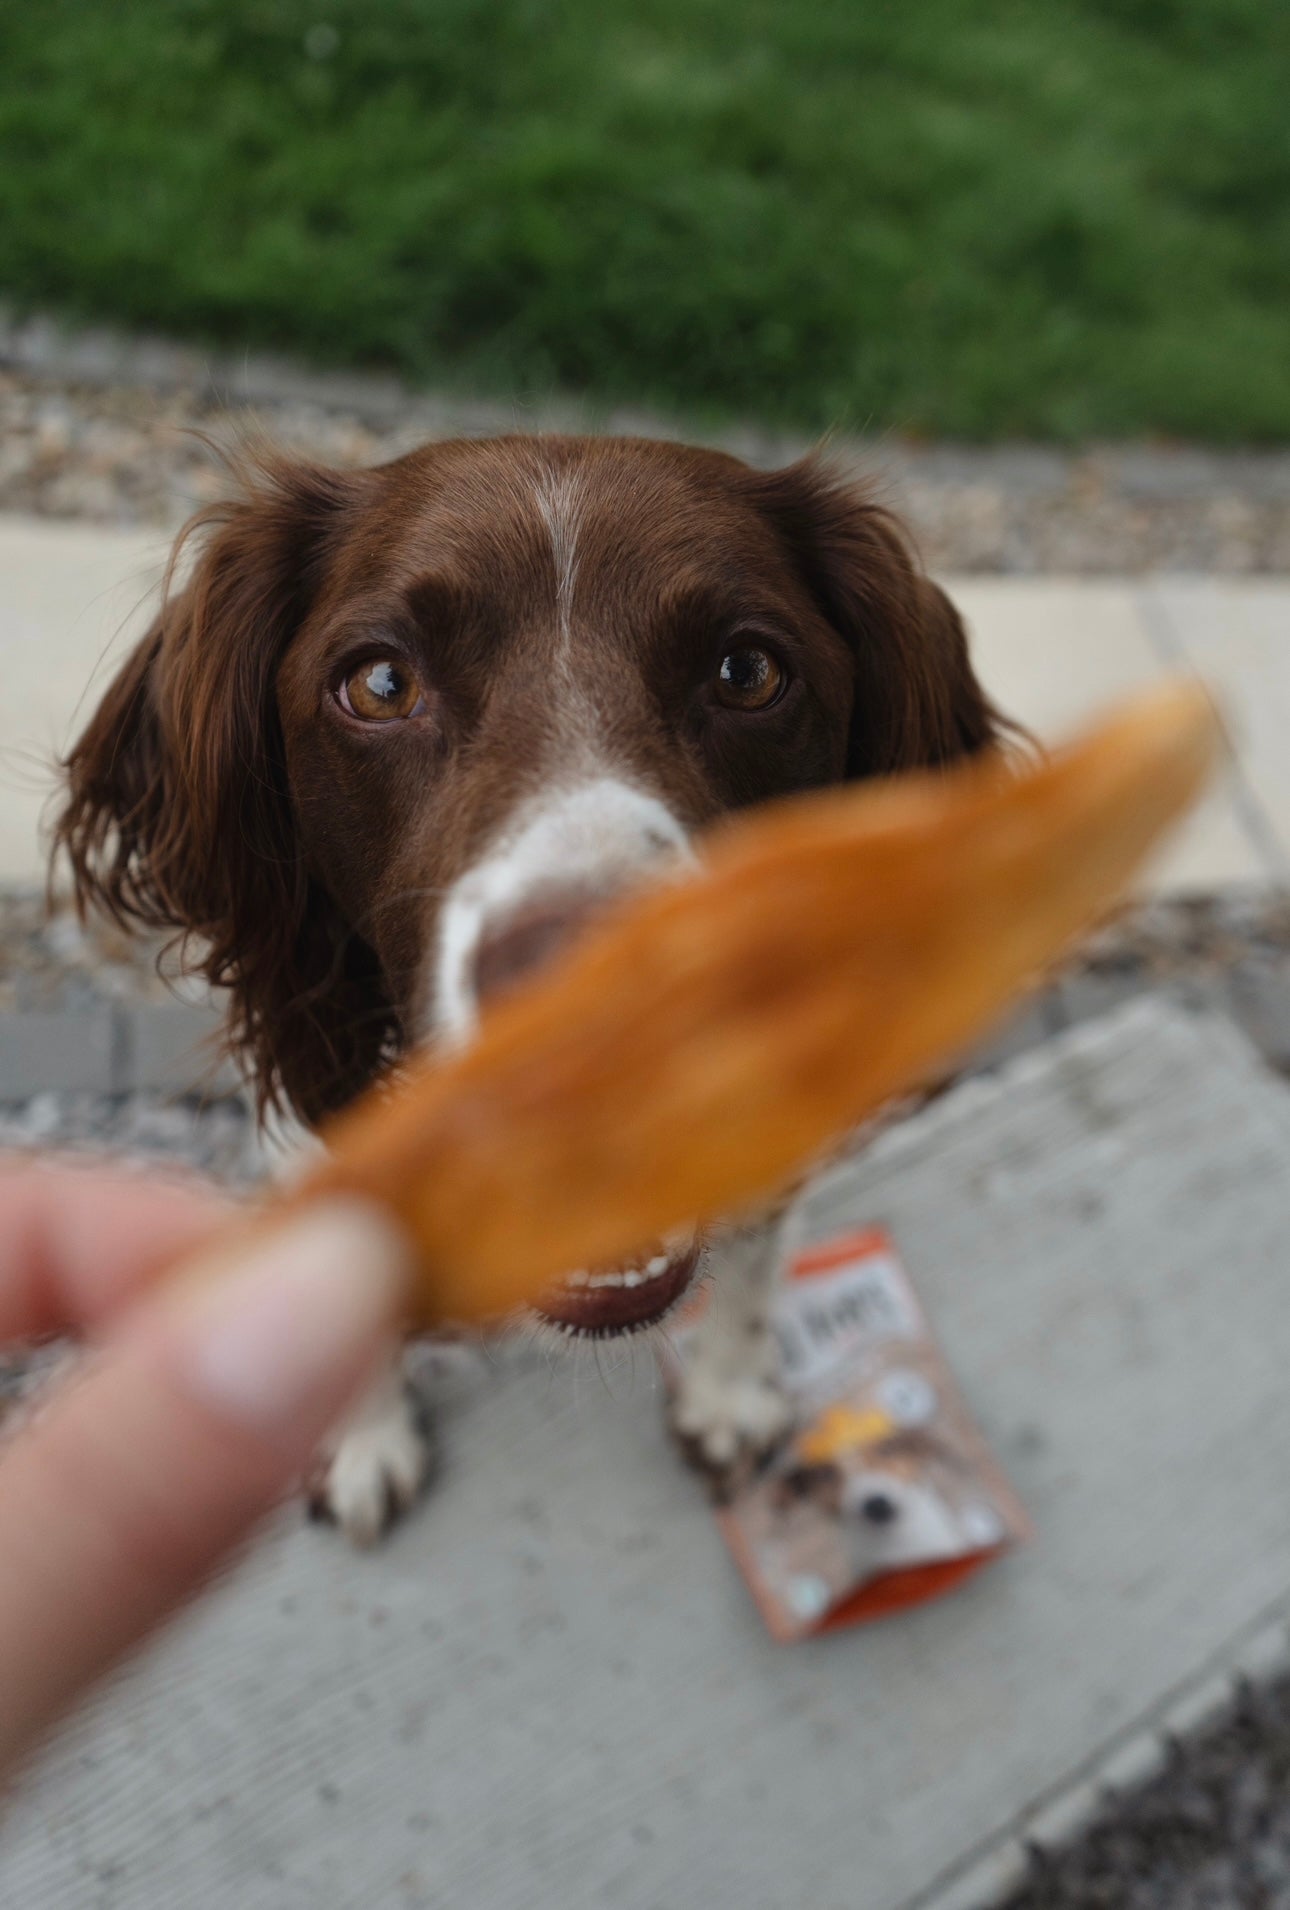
<point x="551" y="1688"/>
<point x="72" y="598"/>
<point x="1052" y="651"/>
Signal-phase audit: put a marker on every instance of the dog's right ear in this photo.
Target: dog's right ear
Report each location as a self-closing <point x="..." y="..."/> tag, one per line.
<point x="177" y="813"/>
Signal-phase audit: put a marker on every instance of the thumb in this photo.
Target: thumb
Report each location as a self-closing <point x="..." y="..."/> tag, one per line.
<point x="159" y="1455"/>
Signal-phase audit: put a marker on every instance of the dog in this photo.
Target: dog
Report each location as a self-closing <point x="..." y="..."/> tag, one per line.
<point x="400" y="733"/>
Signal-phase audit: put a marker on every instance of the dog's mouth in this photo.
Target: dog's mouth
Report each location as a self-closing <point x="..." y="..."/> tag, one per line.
<point x="626" y="1299"/>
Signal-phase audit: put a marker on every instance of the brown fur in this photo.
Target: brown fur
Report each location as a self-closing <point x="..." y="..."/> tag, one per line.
<point x="218" y="791"/>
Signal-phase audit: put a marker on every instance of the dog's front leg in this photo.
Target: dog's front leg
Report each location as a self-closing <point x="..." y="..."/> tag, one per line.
<point x="375" y="1466"/>
<point x="729" y="1409"/>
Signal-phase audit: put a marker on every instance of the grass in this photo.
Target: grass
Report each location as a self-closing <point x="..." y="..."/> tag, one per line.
<point x="1048" y="218"/>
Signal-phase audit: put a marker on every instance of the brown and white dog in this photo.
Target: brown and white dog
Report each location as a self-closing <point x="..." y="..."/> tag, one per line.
<point x="403" y="731"/>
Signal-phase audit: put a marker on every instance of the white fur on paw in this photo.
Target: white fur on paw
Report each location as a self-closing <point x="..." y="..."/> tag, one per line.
<point x="375" y="1474"/>
<point x="724" y="1417"/>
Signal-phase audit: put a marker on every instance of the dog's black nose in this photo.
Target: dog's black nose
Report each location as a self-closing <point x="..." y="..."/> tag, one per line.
<point x="516" y="945"/>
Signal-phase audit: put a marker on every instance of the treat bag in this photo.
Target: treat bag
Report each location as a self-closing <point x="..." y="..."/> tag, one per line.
<point x="885" y="1494"/>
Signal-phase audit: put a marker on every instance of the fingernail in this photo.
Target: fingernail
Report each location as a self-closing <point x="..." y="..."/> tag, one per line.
<point x="296" y="1321"/>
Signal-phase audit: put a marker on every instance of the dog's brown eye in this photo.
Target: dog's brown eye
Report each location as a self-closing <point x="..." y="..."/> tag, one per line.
<point x="749" y="679"/>
<point x="380" y="691"/>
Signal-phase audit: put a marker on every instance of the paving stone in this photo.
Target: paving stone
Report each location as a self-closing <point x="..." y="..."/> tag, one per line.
<point x="70" y="1051"/>
<point x="1091" y="992"/>
<point x="173" y="1048"/>
<point x="1025" y="1029"/>
<point x="1260" y="1000"/>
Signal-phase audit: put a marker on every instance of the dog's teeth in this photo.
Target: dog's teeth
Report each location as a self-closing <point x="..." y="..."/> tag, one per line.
<point x="621" y="1276"/>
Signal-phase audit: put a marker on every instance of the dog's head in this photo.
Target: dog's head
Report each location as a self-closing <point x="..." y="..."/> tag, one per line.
<point x="403" y="731"/>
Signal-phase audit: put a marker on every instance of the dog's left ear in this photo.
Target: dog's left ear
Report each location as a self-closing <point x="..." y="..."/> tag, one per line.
<point x="918" y="703"/>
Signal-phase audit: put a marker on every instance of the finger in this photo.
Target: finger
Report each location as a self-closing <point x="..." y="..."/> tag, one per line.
<point x="77" y="1241"/>
<point x="193" y="1419"/>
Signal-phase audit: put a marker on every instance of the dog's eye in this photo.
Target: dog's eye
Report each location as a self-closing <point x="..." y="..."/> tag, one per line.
<point x="380" y="691"/>
<point x="749" y="679"/>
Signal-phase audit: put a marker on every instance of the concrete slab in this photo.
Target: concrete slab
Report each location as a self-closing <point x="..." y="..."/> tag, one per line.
<point x="1260" y="1001"/>
<point x="114" y="1048"/>
<point x="1237" y="635"/>
<point x="71" y="598"/>
<point x="551" y="1689"/>
<point x="1054" y="652"/>
<point x="77" y="1051"/>
<point x="173" y="1048"/>
<point x="1214" y="847"/>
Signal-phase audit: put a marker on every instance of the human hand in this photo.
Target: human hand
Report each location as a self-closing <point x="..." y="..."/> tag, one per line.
<point x="202" y="1402"/>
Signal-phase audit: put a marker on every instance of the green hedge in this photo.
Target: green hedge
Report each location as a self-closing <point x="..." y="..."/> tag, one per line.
<point x="1038" y="217"/>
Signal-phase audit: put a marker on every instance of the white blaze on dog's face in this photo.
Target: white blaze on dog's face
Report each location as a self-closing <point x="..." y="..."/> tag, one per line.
<point x="567" y="850"/>
<point x="587" y="833"/>
<point x="566" y="854"/>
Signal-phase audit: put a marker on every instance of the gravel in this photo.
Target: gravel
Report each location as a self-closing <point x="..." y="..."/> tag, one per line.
<point x="1211" y="1832"/>
<point x="187" y="1133"/>
<point x="215" y="1135"/>
<point x="101" y="428"/>
<point x="49" y="959"/>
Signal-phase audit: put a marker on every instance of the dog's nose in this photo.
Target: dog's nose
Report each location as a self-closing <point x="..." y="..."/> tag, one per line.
<point x="516" y="945"/>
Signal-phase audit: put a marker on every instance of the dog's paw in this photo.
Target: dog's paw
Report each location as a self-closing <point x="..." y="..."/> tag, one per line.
<point x="373" y="1477"/>
<point x="727" y="1423"/>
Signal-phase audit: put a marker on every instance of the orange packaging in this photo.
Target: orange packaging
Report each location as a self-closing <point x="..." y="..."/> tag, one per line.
<point x="886" y="1493"/>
